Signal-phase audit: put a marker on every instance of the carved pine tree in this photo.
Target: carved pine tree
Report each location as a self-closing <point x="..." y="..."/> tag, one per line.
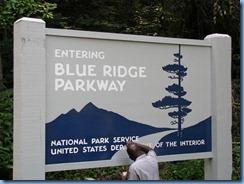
<point x="177" y="102"/>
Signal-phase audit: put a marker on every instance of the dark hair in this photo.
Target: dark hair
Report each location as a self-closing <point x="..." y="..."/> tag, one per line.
<point x="134" y="151"/>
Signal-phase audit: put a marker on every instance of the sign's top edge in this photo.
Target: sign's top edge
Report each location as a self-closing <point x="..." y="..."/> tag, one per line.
<point x="217" y="35"/>
<point x="27" y="19"/>
<point x="124" y="37"/>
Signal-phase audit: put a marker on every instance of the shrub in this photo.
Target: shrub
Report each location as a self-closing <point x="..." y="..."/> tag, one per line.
<point x="6" y="134"/>
<point x="182" y="170"/>
<point x="236" y="173"/>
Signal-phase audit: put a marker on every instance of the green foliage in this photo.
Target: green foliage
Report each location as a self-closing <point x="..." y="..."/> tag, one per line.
<point x="182" y="170"/>
<point x="107" y="173"/>
<point x="64" y="175"/>
<point x="236" y="153"/>
<point x="6" y="134"/>
<point x="7" y="58"/>
<point x="11" y="10"/>
<point x="236" y="110"/>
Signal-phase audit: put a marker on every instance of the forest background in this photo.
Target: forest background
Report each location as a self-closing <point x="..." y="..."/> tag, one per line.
<point x="191" y="19"/>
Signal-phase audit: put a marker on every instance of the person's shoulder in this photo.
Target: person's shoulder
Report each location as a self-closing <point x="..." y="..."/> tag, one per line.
<point x="133" y="166"/>
<point x="152" y="153"/>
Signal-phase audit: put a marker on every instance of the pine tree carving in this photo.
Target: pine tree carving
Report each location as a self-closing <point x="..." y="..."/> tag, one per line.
<point x="177" y="102"/>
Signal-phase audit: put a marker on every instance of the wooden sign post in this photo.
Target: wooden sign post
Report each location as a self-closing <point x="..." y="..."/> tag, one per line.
<point x="29" y="99"/>
<point x="220" y="166"/>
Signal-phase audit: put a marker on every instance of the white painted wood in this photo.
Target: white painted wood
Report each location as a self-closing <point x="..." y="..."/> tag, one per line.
<point x="220" y="166"/>
<point x="122" y="162"/>
<point x="125" y="37"/>
<point x="29" y="100"/>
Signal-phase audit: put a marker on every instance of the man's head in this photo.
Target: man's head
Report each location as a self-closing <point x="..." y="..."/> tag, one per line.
<point x="133" y="150"/>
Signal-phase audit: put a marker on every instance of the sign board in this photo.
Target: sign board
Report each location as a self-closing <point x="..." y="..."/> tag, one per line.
<point x="102" y="93"/>
<point x="102" y="90"/>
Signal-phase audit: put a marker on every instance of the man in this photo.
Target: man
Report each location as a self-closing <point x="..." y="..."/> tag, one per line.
<point x="145" y="166"/>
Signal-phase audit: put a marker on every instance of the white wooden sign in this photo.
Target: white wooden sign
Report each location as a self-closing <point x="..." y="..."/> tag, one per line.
<point x="79" y="96"/>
